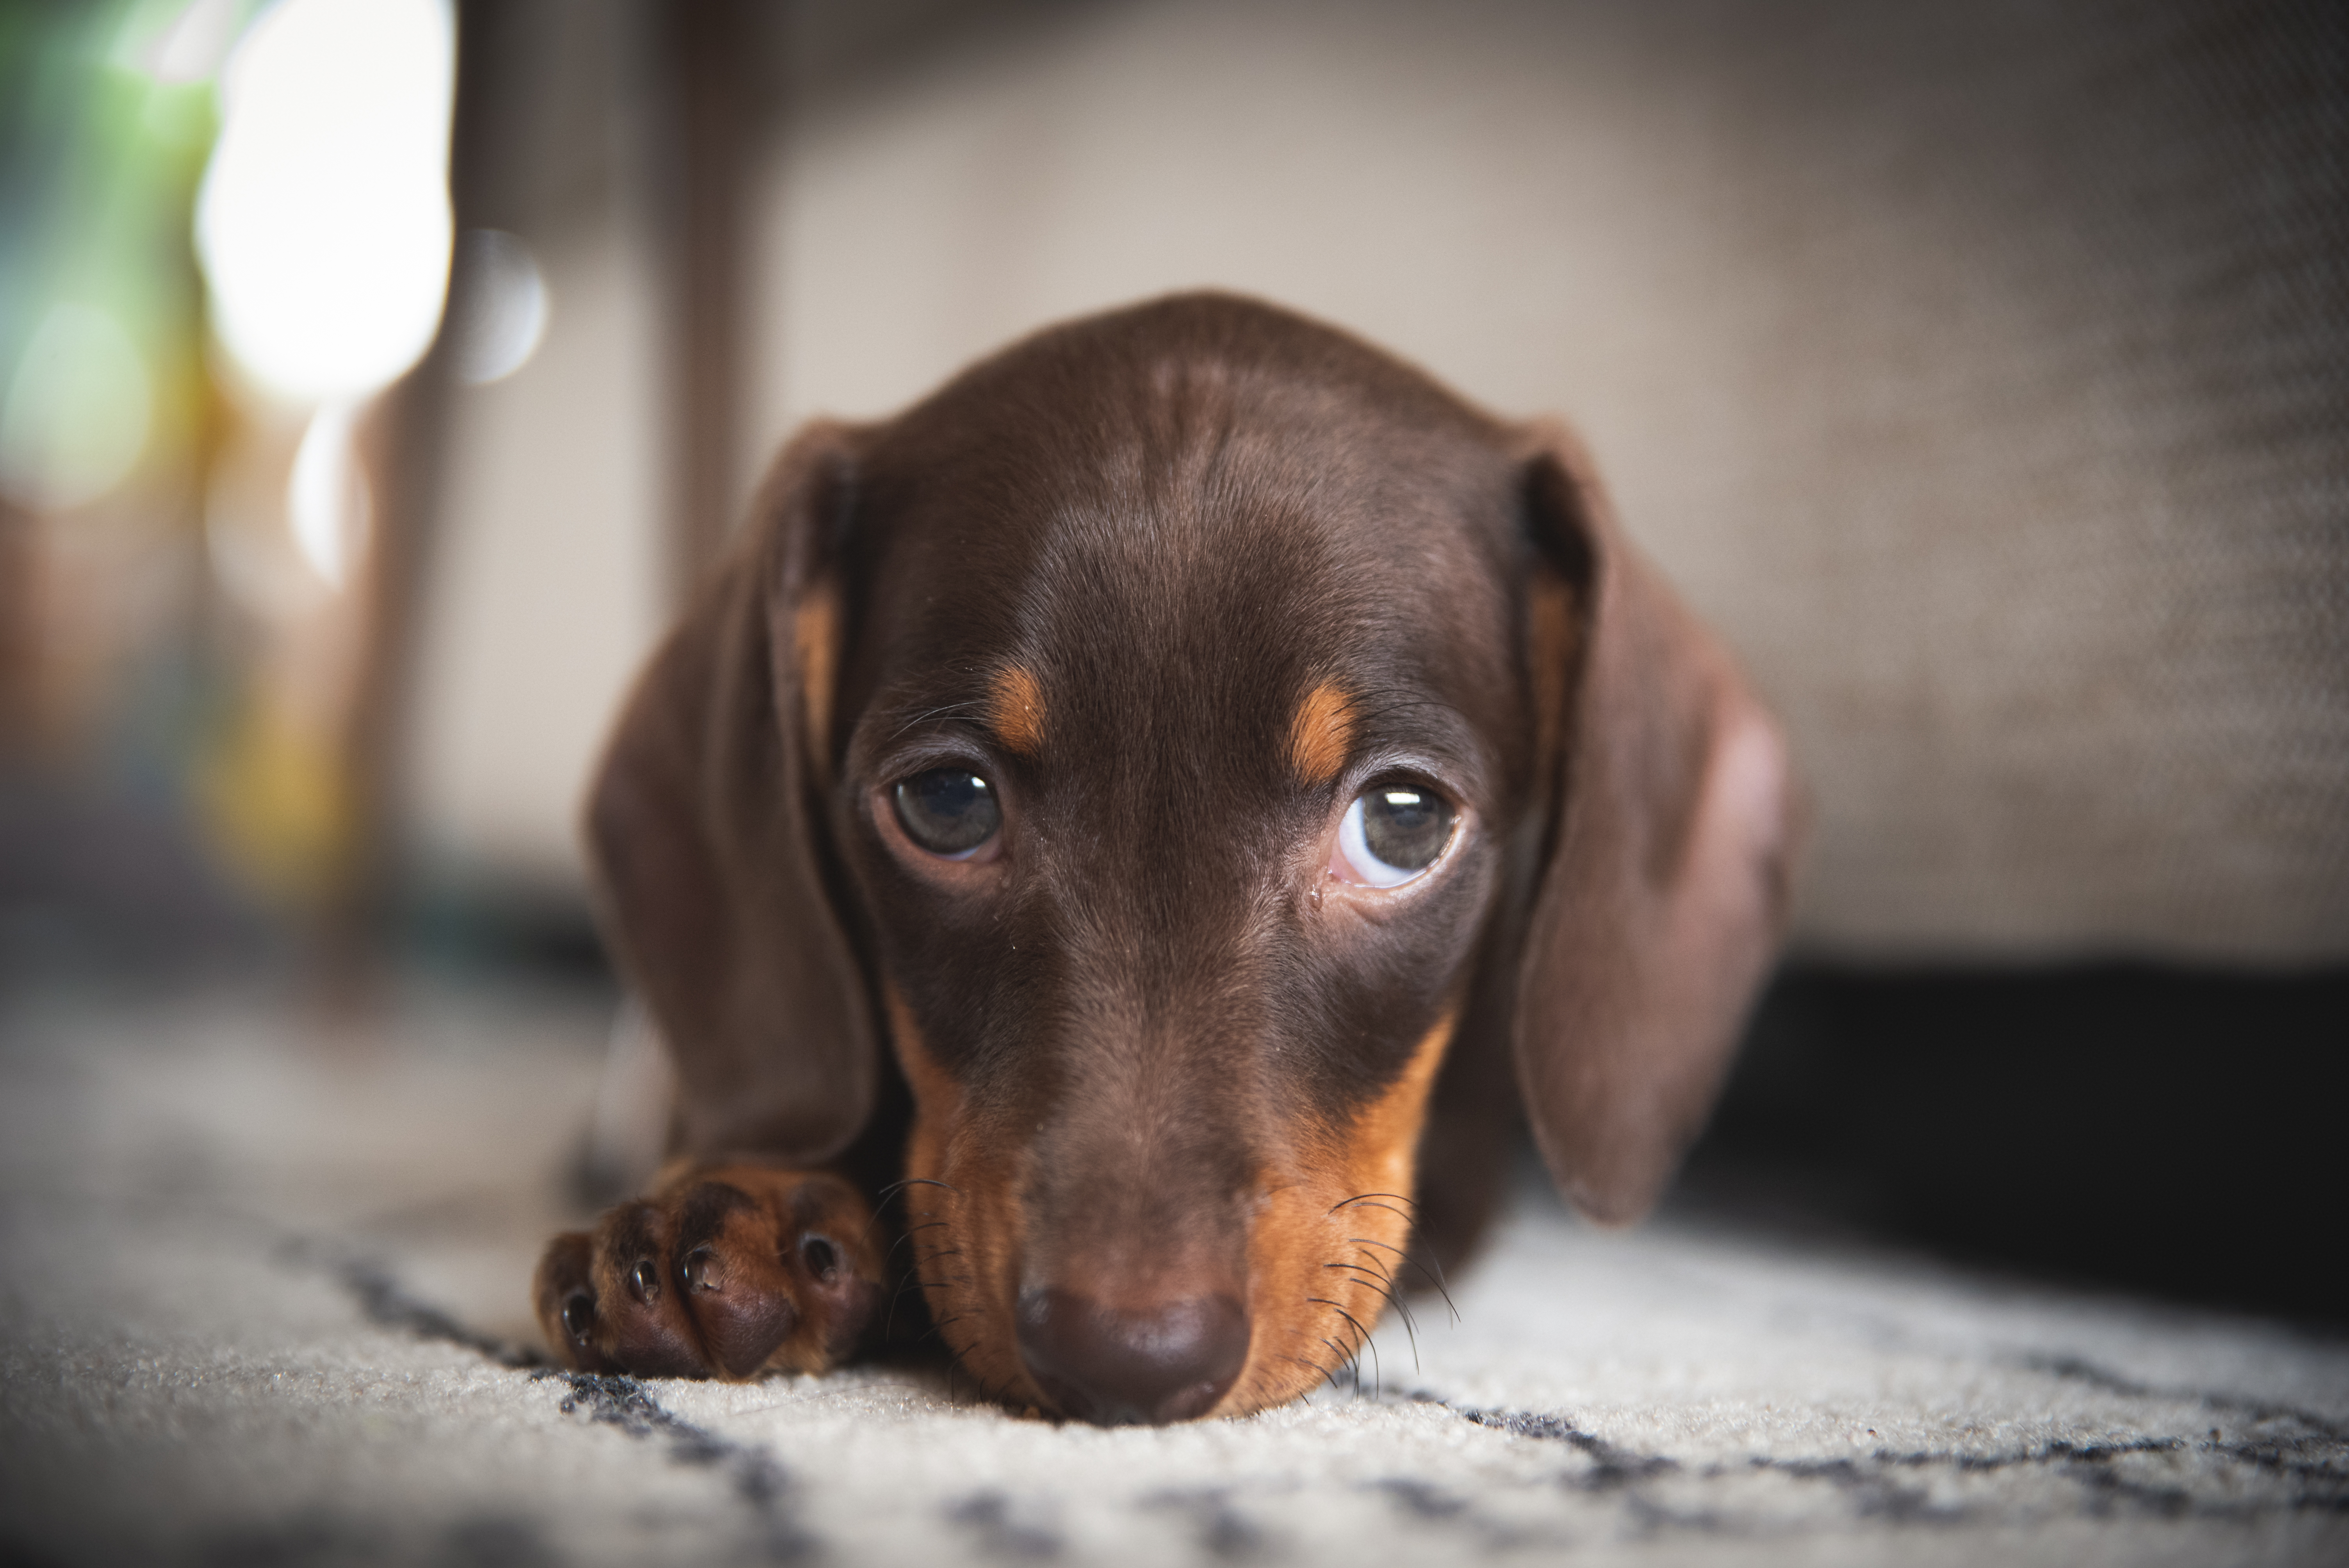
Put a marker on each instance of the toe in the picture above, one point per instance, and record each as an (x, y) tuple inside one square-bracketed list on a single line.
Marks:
[(846, 1294), (563, 1293), (742, 1296), (644, 1325), (834, 1252)]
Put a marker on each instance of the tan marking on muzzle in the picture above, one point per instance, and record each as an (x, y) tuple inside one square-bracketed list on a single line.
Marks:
[(963, 1224), (1331, 1238), (1384, 1140)]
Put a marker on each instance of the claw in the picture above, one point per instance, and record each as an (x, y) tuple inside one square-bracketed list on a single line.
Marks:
[(727, 1276), (567, 1302), (703, 1270)]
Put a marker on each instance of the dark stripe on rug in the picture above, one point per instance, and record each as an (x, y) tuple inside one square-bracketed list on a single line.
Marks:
[(2315, 1469), (754, 1474)]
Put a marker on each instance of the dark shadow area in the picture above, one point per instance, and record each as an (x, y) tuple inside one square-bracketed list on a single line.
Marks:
[(108, 886), (2170, 1131), (111, 888), (475, 926)]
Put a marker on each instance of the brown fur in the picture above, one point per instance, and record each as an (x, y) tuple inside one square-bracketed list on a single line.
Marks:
[(1178, 1110)]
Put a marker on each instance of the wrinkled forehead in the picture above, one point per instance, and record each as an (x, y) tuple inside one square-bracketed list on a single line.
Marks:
[(1175, 568)]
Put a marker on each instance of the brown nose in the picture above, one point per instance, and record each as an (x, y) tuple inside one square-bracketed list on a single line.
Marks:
[(1167, 1361)]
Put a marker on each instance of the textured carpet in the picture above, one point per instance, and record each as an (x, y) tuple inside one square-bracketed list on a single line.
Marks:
[(265, 1304)]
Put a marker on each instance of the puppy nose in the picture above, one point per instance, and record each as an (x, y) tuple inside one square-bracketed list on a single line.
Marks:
[(1164, 1361)]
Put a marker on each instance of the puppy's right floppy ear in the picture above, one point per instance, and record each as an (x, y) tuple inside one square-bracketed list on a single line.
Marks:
[(706, 828), (1673, 824)]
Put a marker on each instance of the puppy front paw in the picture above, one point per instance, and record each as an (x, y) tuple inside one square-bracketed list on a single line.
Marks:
[(724, 1272)]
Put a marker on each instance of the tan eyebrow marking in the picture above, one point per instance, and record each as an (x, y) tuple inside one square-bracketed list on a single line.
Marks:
[(1015, 710), (815, 632), (1321, 733)]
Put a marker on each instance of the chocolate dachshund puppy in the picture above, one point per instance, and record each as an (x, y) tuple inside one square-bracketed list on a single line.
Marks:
[(1136, 831)]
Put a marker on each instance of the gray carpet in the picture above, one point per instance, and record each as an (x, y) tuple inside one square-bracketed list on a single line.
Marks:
[(265, 1304)]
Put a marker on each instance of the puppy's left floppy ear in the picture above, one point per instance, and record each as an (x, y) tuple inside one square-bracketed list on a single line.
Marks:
[(707, 825), (1673, 823)]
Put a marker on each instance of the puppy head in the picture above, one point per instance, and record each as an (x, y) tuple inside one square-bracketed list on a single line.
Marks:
[(1144, 725)]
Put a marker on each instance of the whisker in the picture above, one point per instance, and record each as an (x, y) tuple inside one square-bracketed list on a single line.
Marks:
[(930, 1181), (1410, 1329), (1378, 1378), (1308, 1361), (889, 1323), (1385, 1287), (1365, 1197), (893, 1188), (1353, 1355), (1390, 1289), (928, 714), (958, 1362), (1435, 1279), (912, 1280), (1346, 1358), (955, 1364), (908, 1236)]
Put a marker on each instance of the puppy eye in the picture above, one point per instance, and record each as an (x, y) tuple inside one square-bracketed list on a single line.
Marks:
[(1391, 834), (948, 811)]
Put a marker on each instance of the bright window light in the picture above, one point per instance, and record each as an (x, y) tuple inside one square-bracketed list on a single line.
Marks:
[(76, 415), (323, 223), (326, 498)]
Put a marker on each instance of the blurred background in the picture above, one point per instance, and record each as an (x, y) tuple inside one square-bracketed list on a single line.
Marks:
[(376, 374)]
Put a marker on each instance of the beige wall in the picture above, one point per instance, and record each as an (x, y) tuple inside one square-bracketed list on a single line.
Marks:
[(547, 583), (1935, 352)]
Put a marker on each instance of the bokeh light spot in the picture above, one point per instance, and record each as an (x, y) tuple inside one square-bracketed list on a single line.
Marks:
[(326, 498), (504, 307), (77, 412), (324, 223)]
